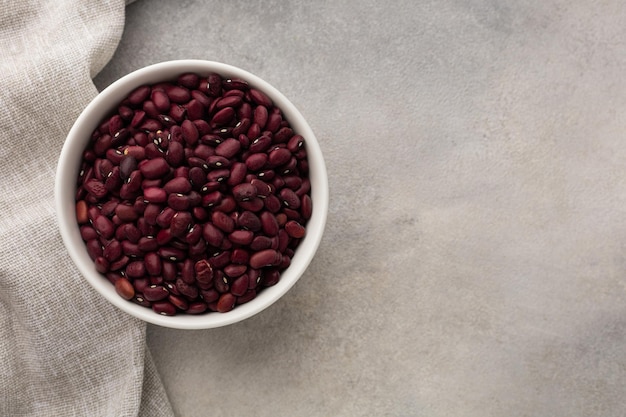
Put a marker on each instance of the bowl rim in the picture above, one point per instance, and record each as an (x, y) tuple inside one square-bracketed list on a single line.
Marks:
[(69, 162)]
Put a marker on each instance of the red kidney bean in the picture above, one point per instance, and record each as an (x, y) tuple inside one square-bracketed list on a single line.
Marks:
[(239, 256), (177, 94), (102, 265), (238, 172), (234, 270), (136, 269), (155, 195), (196, 307), (240, 285), (228, 148), (218, 175), (178, 185), (267, 257), (256, 161), (226, 302), (104, 226), (139, 95), (269, 225), (189, 291), (248, 296), (278, 157), (155, 293), (164, 308), (259, 116), (273, 122), (260, 144), (270, 277), (241, 237), (124, 288), (178, 301), (175, 154), (189, 80), (289, 198), (161, 101), (223, 221), (254, 277), (249, 221), (81, 212), (178, 202), (212, 235), (210, 295), (295, 229), (171, 253), (119, 263), (88, 233), (153, 264), (112, 251), (283, 135), (154, 168)]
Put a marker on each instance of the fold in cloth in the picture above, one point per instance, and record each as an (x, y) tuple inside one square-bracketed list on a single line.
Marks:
[(64, 350)]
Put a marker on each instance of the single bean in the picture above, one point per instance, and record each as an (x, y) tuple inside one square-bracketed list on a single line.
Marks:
[(136, 269), (101, 264), (240, 285), (239, 256), (172, 254), (189, 80), (210, 295), (273, 122), (178, 202), (212, 235), (289, 198), (196, 307), (228, 148), (267, 257), (153, 263), (178, 301), (249, 221), (256, 161), (112, 250), (124, 288), (187, 271), (155, 195), (178, 94), (189, 291), (260, 115), (119, 263), (175, 154), (223, 221), (82, 216), (241, 237), (223, 116), (161, 101), (295, 229), (269, 224), (238, 172), (278, 157), (270, 277), (154, 168), (234, 270), (226, 302), (246, 297), (260, 144), (155, 293), (104, 226), (164, 308)]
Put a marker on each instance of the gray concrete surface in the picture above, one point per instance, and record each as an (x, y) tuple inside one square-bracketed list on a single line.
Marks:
[(473, 263)]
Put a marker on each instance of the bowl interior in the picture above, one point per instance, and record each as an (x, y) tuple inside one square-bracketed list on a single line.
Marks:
[(69, 164)]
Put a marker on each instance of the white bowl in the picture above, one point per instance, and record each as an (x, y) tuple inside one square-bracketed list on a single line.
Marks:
[(69, 164)]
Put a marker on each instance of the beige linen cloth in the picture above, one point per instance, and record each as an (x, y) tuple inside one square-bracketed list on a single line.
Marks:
[(63, 350)]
